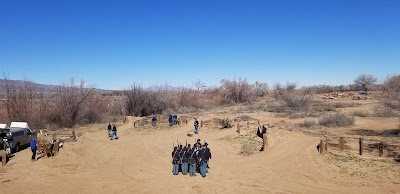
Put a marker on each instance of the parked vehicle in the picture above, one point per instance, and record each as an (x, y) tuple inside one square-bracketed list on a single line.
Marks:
[(22, 135)]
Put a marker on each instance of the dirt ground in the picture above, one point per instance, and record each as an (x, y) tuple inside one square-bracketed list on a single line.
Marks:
[(140, 162)]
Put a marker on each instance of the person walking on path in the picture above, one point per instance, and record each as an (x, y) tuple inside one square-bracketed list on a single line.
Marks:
[(109, 129), (196, 126), (114, 133), (33, 148)]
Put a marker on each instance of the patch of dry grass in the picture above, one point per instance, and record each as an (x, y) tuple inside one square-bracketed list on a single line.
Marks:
[(309, 124), (336, 120)]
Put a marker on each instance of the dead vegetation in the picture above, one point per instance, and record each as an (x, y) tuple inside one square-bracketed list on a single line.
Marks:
[(336, 120), (309, 123)]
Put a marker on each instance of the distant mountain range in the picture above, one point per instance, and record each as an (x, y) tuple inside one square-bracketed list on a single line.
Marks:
[(46, 88)]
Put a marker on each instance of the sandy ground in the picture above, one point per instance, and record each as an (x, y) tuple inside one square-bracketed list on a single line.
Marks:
[(140, 162)]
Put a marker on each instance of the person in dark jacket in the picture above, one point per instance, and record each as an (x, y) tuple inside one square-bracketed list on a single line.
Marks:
[(192, 161), (204, 155), (185, 160), (33, 146), (154, 121), (196, 126), (109, 129), (207, 156), (10, 140), (170, 120), (261, 135), (114, 132), (175, 161)]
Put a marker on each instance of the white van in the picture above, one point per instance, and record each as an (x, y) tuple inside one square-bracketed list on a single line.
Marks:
[(21, 134)]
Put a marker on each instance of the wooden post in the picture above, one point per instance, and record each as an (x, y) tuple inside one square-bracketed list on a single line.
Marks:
[(238, 128), (361, 146), (380, 149), (326, 146), (258, 121), (265, 140), (4, 158), (201, 123), (341, 143), (322, 147), (73, 135)]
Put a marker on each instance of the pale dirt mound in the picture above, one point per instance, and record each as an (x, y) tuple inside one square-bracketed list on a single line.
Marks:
[(138, 163)]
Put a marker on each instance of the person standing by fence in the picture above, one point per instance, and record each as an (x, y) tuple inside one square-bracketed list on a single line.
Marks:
[(261, 135)]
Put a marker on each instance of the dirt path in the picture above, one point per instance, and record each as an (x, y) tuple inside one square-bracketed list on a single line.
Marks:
[(141, 163)]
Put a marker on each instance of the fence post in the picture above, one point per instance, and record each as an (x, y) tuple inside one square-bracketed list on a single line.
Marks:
[(201, 123), (361, 146), (322, 147), (73, 135), (380, 149), (326, 146), (265, 140), (238, 128), (4, 159), (341, 143)]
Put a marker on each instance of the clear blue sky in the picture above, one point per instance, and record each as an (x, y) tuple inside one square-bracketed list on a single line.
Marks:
[(113, 44)]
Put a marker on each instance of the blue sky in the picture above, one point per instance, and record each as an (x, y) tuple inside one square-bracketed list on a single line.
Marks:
[(114, 44)]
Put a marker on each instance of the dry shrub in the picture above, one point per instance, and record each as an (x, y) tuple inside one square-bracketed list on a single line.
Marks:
[(141, 102), (237, 91), (246, 149), (336, 120), (360, 113), (308, 123), (385, 113), (391, 93), (291, 97)]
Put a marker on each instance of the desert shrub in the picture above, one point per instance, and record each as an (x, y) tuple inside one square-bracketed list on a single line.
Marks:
[(391, 93), (360, 113), (141, 102), (237, 91), (385, 113), (336, 120), (308, 123), (260, 89), (246, 149), (292, 97)]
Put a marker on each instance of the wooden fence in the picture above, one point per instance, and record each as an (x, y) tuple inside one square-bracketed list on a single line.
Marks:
[(363, 146), (161, 120)]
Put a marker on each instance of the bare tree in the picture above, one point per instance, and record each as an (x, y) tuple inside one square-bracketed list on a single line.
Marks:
[(70, 100), (183, 97), (23, 103), (391, 93), (199, 85), (260, 89), (365, 81)]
